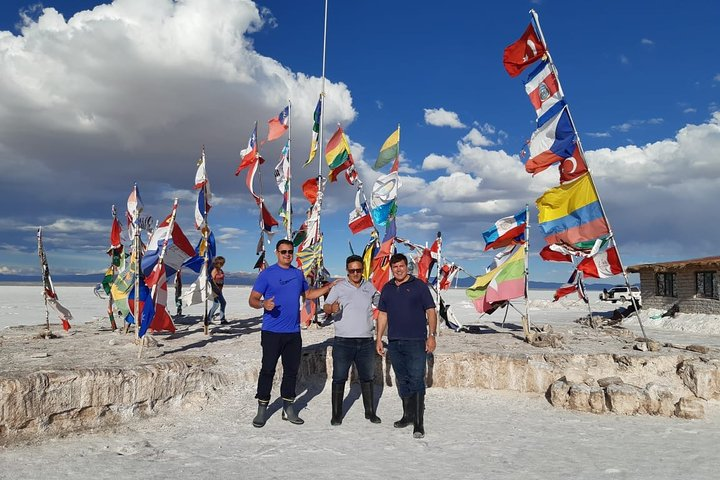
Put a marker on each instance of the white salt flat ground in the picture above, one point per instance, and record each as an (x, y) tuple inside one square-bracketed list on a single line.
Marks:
[(470, 433)]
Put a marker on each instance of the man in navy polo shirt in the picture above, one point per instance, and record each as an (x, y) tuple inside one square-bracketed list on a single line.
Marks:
[(407, 310), (278, 290), (350, 303)]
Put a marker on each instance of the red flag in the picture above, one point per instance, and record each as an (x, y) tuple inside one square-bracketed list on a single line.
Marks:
[(115, 230), (550, 255), (310, 190), (523, 52), (381, 264), (602, 265), (277, 126), (425, 264), (572, 167), (249, 154), (267, 219)]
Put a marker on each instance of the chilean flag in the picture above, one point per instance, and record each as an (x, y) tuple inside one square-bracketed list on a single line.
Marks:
[(602, 265), (179, 248), (249, 154), (278, 125), (506, 231), (552, 142), (544, 91)]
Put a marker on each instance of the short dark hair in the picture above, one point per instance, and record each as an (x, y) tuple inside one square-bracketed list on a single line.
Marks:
[(283, 241), (353, 258), (398, 257)]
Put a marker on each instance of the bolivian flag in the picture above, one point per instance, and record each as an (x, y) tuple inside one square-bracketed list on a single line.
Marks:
[(337, 154)]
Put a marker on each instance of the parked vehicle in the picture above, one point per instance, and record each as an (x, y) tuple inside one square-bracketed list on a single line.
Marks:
[(620, 293)]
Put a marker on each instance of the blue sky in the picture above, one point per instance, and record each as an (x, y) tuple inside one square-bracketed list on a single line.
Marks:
[(94, 97)]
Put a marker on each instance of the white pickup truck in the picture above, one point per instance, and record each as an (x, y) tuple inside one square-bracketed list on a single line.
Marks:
[(620, 293)]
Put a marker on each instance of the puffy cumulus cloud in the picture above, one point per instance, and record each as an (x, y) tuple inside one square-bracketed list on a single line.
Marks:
[(436, 162), (128, 89), (656, 193), (474, 137), (439, 117)]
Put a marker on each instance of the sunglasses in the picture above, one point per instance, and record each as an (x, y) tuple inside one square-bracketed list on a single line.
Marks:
[(285, 252), (355, 270)]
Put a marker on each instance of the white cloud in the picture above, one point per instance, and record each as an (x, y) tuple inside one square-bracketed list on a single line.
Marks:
[(477, 139), (598, 134), (439, 117), (436, 162), (647, 41), (624, 60), (690, 110), (717, 77)]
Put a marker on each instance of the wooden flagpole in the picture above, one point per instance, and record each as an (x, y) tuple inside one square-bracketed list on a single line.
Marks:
[(536, 20)]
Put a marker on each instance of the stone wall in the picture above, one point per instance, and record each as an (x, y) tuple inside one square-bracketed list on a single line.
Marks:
[(57, 402), (685, 293)]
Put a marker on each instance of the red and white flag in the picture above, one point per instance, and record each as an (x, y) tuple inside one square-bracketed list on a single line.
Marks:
[(359, 218), (249, 155), (448, 272), (573, 166), (277, 126), (157, 282), (603, 265), (526, 50), (544, 90)]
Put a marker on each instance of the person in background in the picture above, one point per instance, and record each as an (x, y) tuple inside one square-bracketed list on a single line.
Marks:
[(407, 310), (217, 280), (278, 290), (350, 304)]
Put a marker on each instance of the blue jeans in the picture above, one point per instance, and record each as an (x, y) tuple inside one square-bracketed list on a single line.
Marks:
[(408, 360), (218, 302), (361, 351)]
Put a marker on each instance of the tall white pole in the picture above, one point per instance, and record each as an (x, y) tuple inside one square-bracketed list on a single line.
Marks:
[(288, 213), (526, 318)]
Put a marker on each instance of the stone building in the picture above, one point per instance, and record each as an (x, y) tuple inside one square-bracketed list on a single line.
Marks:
[(691, 284)]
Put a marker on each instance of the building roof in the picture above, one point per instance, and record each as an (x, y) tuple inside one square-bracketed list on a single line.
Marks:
[(695, 262)]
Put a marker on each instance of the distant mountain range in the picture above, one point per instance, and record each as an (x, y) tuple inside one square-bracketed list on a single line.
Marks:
[(238, 278)]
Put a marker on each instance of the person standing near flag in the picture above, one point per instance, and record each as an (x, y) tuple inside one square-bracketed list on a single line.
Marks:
[(407, 310), (217, 281), (350, 303), (278, 290)]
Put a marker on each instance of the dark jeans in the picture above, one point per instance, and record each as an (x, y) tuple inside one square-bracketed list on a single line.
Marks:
[(408, 360), (361, 351), (276, 345)]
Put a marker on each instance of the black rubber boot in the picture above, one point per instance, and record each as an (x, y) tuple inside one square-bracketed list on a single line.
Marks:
[(418, 427), (408, 412), (336, 396), (260, 419), (288, 413), (368, 397)]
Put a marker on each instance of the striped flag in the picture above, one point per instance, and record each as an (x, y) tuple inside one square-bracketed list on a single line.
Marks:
[(389, 150), (315, 131), (502, 283)]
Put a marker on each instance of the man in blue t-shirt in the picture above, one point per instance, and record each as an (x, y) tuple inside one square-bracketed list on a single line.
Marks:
[(407, 310), (278, 290)]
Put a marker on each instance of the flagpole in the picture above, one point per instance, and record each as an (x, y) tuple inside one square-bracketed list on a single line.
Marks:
[(288, 191), (43, 263), (439, 263), (113, 269), (137, 257), (205, 232), (526, 317), (536, 20)]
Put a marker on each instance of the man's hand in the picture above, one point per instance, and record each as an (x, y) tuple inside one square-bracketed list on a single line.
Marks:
[(379, 347), (430, 344), (335, 307), (268, 304)]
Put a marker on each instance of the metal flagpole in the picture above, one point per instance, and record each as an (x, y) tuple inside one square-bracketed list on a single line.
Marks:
[(44, 274), (526, 317), (536, 20), (288, 213)]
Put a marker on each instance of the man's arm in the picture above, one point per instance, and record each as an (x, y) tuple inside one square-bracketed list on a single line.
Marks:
[(381, 326), (313, 293), (256, 301), (431, 342)]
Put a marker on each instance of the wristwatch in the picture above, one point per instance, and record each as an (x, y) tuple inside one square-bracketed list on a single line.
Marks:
[(432, 334)]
